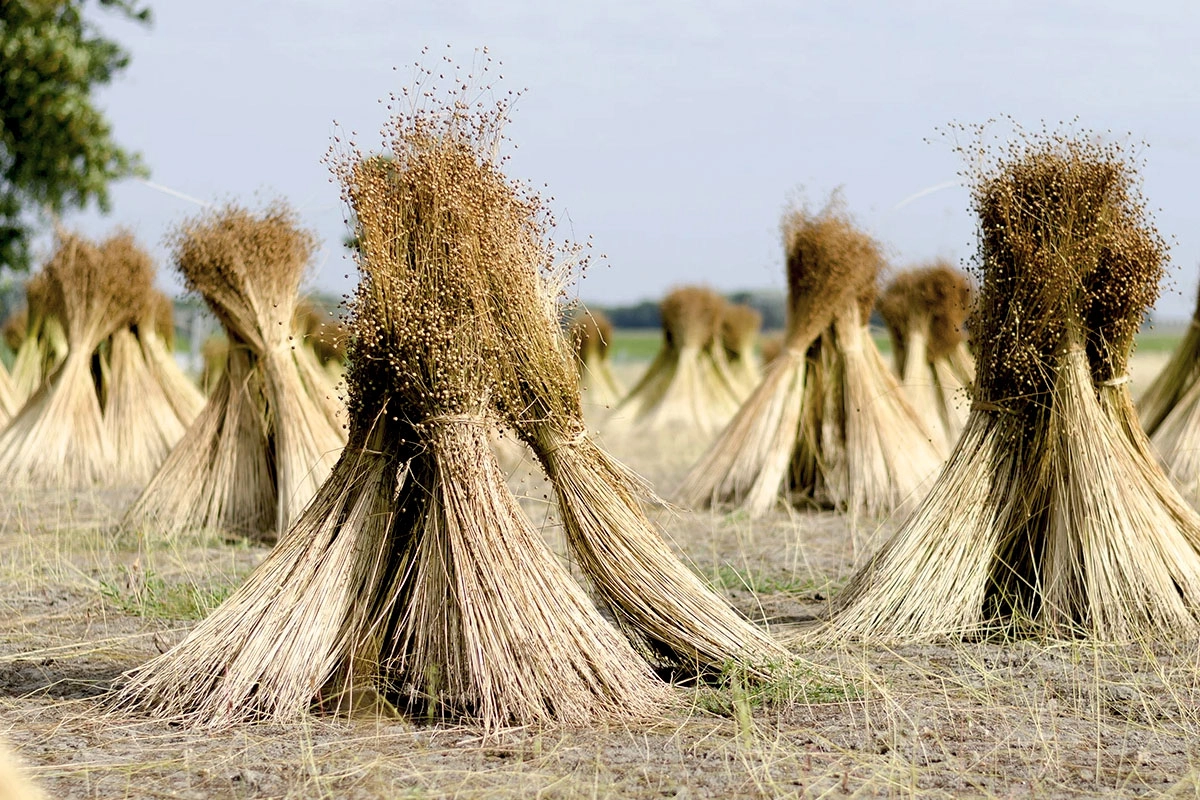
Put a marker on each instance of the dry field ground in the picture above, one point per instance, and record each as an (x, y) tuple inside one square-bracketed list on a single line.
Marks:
[(80, 603)]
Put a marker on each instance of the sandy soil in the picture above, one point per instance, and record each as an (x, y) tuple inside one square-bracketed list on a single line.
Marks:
[(81, 602)]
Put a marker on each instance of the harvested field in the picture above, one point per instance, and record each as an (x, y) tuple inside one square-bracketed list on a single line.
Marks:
[(83, 602)]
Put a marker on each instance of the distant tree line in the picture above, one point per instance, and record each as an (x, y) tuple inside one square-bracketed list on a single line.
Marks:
[(771, 303)]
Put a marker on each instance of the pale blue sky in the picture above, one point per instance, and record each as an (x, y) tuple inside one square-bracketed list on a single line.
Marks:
[(671, 132)]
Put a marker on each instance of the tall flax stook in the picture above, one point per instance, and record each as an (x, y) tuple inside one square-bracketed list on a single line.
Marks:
[(687, 388), (924, 309), (413, 577), (1050, 516), (266, 438), (59, 438), (863, 448), (829, 262)]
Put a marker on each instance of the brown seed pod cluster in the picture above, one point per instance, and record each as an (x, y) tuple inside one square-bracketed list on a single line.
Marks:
[(828, 260), (740, 326), (159, 316), (936, 296), (924, 309), (1068, 259), (16, 328), (691, 317)]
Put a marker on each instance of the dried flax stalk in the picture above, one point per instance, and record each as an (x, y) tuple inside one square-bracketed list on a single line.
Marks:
[(1178, 376), (9, 405), (1170, 412), (272, 649), (141, 422), (226, 453), (156, 335), (413, 577)]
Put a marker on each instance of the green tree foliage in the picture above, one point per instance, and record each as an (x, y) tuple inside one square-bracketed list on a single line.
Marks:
[(56, 148)]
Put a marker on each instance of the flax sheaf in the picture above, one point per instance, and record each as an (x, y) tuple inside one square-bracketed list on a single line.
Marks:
[(790, 435), (414, 578), (1051, 516), (59, 437), (265, 440), (687, 388), (925, 309)]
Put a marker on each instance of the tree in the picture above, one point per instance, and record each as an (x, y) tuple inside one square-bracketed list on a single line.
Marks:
[(56, 148)]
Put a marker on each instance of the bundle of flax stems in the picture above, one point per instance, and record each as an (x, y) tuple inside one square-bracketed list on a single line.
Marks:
[(925, 310), (1178, 376), (660, 603), (1051, 516), (59, 437), (39, 339), (863, 448), (8, 396), (156, 336), (268, 435), (140, 420), (1170, 412), (414, 578), (592, 334), (740, 326), (754, 461), (214, 355), (686, 387)]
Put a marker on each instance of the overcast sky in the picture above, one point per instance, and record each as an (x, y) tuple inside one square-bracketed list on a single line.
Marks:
[(672, 132)]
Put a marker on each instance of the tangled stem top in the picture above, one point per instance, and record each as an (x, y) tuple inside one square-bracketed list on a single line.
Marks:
[(1068, 259)]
